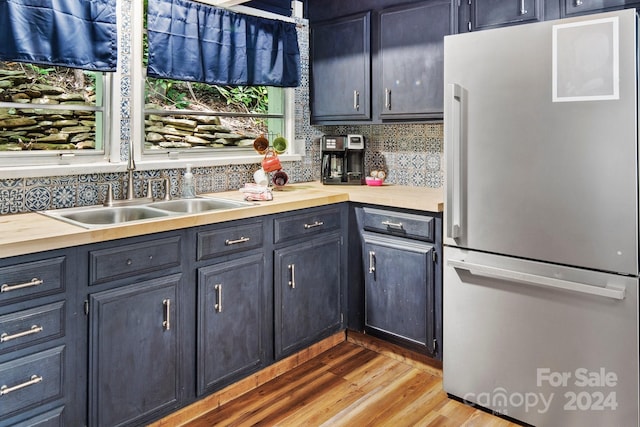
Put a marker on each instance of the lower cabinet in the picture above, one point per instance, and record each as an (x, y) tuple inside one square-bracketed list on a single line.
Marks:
[(134, 352), (307, 292), (230, 318), (399, 290), (402, 277)]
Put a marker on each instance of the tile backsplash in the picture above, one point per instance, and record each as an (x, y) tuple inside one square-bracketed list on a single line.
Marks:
[(411, 154)]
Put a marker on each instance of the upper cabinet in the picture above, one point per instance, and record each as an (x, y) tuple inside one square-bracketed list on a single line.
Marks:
[(577, 7), (477, 15), (341, 70), (412, 60), (379, 65)]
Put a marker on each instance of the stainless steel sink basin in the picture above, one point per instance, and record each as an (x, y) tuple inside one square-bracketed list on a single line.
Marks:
[(197, 205), (99, 215)]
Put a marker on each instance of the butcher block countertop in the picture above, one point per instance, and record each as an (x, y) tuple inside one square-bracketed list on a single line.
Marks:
[(32, 232)]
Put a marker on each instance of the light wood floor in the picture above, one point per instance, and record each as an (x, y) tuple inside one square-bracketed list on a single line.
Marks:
[(350, 385)]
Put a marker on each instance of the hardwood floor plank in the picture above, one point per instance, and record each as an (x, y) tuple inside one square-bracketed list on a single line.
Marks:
[(348, 385)]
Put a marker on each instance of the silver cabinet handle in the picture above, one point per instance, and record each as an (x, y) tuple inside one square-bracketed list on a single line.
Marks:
[(609, 291), (578, 2), (34, 330), (523, 11), (292, 275), (166, 324), (387, 99), (315, 224), (454, 134), (35, 379), (218, 305), (34, 282), (372, 262), (233, 242), (356, 100), (392, 224)]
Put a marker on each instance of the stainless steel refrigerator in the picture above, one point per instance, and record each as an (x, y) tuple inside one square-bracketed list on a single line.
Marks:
[(541, 221)]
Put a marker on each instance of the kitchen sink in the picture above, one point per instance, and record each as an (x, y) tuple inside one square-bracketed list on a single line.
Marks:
[(197, 205), (137, 211), (93, 216)]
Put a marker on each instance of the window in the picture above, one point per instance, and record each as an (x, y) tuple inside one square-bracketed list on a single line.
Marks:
[(51, 114), (186, 118)]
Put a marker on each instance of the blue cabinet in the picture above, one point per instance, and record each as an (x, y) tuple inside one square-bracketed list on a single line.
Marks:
[(412, 60), (134, 351), (37, 336), (402, 277), (232, 303), (308, 277), (340, 69)]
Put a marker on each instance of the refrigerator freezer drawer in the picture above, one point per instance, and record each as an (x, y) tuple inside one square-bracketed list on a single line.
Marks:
[(545, 344)]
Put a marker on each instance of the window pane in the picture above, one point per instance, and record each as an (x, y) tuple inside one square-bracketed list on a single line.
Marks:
[(50, 109), (202, 117)]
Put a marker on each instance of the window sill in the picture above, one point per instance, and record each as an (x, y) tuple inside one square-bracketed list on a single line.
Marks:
[(106, 167)]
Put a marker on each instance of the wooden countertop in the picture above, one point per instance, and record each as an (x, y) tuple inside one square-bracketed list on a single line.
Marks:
[(32, 232)]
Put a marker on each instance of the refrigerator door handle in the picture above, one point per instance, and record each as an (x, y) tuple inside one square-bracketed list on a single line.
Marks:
[(453, 136), (608, 291)]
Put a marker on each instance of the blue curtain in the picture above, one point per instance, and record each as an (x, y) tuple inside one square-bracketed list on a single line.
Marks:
[(70, 33), (195, 42)]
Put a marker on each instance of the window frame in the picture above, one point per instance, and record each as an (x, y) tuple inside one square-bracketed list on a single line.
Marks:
[(179, 159)]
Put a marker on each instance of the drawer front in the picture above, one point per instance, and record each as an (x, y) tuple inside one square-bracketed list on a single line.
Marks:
[(30, 381), (421, 227), (130, 260), (229, 240), (53, 418), (308, 223), (32, 279), (31, 326)]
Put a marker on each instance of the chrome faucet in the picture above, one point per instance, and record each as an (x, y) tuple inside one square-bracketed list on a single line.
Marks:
[(131, 166)]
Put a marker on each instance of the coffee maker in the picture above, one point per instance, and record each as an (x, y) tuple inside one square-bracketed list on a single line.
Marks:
[(343, 160)]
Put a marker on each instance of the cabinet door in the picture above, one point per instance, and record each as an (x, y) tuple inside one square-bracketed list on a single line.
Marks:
[(412, 59), (399, 290), (340, 69), (230, 313), (577, 7), (484, 14), (133, 354), (307, 293)]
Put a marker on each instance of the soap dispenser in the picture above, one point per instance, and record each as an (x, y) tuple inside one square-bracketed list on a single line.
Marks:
[(188, 185)]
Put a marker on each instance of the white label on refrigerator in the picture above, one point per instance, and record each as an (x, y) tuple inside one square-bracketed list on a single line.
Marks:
[(586, 61)]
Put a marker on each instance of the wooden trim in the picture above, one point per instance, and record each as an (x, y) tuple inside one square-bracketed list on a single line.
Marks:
[(417, 360), (245, 385)]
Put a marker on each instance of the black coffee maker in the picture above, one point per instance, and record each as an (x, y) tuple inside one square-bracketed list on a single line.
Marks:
[(343, 160)]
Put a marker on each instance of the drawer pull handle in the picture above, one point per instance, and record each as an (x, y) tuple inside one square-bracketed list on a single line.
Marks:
[(372, 262), (356, 100), (35, 379), (315, 224), (166, 324), (218, 305), (34, 282), (233, 242), (292, 282), (34, 330), (390, 224)]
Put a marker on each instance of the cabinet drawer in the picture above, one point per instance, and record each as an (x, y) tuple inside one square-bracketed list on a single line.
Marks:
[(308, 223), (31, 326), (229, 240), (408, 225), (31, 380), (32, 279), (129, 260), (51, 418)]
